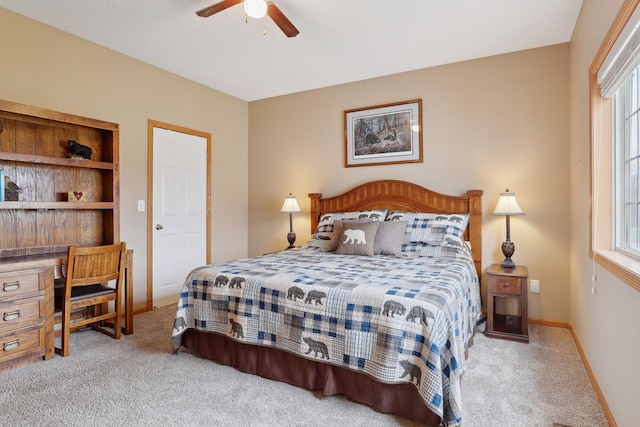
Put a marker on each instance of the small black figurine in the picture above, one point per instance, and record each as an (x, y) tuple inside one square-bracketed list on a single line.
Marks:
[(79, 151), (11, 190)]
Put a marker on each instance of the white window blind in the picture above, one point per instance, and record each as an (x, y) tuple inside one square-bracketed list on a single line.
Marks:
[(623, 57)]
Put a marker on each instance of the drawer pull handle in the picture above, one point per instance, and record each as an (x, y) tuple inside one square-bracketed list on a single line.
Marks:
[(10, 346), (506, 285), (11, 286), (11, 316)]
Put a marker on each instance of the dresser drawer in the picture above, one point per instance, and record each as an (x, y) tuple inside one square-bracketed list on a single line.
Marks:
[(16, 314), (22, 342), (19, 283), (508, 286)]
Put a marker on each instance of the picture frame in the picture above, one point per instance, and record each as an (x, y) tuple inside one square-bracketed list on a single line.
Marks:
[(383, 134)]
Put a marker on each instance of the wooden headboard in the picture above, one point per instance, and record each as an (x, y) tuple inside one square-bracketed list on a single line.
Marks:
[(402, 195)]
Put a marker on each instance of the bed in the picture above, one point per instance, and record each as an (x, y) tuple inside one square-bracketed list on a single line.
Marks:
[(387, 325)]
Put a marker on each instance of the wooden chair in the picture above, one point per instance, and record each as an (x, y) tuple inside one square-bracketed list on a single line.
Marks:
[(85, 286)]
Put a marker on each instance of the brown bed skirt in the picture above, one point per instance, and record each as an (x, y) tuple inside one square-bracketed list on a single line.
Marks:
[(279, 365)]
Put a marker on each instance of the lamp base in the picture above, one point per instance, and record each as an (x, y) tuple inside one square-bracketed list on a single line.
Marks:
[(508, 263), (291, 238), (508, 248)]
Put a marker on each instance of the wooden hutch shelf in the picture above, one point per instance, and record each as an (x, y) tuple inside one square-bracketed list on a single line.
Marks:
[(57, 205), (44, 160)]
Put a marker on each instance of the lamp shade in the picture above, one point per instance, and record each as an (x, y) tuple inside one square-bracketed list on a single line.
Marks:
[(507, 205), (255, 8), (290, 205)]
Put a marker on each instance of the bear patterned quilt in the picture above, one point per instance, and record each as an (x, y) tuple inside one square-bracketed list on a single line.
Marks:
[(396, 319)]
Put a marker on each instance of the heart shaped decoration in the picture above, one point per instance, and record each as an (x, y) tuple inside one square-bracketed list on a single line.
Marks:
[(78, 195)]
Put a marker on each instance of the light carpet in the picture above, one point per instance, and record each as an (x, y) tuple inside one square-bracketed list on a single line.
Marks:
[(137, 381)]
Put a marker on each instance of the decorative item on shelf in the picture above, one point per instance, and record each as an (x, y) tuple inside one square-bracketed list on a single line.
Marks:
[(290, 206), (78, 196), (11, 189), (508, 205), (1, 185), (79, 151)]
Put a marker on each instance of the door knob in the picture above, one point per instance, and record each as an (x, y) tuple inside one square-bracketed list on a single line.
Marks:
[(159, 227)]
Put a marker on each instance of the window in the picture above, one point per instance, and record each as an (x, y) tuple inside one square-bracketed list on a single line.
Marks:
[(626, 122), (615, 148)]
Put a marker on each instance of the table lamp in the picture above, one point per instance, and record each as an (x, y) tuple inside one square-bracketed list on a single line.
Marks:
[(508, 205), (290, 206)]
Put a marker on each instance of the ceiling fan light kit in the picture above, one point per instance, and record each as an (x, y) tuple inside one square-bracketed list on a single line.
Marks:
[(255, 9)]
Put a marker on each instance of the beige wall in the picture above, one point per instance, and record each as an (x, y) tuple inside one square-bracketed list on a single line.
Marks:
[(489, 124), (44, 67), (606, 322)]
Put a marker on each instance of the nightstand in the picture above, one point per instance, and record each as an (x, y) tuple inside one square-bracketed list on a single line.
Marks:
[(508, 284)]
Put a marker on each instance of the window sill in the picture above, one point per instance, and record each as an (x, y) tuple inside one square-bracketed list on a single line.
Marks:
[(623, 267)]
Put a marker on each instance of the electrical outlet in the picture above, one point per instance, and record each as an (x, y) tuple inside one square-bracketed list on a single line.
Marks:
[(141, 205), (534, 286)]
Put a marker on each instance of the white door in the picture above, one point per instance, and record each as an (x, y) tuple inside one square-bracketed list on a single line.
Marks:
[(179, 210)]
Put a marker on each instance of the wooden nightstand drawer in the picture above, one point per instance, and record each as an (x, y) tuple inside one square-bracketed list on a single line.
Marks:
[(505, 285), (22, 342), (17, 284)]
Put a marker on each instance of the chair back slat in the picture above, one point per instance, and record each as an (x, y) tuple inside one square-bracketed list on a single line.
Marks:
[(95, 264)]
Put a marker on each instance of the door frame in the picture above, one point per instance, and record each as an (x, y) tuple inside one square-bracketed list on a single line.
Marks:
[(155, 124)]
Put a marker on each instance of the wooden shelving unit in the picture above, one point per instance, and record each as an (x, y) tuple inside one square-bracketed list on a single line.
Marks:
[(36, 230), (35, 154)]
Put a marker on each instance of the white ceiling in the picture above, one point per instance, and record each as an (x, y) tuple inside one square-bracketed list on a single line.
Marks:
[(340, 41)]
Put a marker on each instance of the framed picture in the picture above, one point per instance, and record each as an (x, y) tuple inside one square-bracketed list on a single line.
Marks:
[(383, 134)]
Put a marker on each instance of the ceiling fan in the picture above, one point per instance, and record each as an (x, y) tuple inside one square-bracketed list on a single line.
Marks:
[(255, 9)]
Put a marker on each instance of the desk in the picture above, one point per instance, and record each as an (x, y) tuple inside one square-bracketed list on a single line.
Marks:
[(50, 266)]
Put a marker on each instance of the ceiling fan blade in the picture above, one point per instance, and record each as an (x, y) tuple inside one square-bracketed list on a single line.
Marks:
[(280, 20), (218, 7)]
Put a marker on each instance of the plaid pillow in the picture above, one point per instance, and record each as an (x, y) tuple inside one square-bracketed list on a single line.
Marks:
[(372, 214), (427, 250), (321, 239), (431, 228), (411, 250)]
